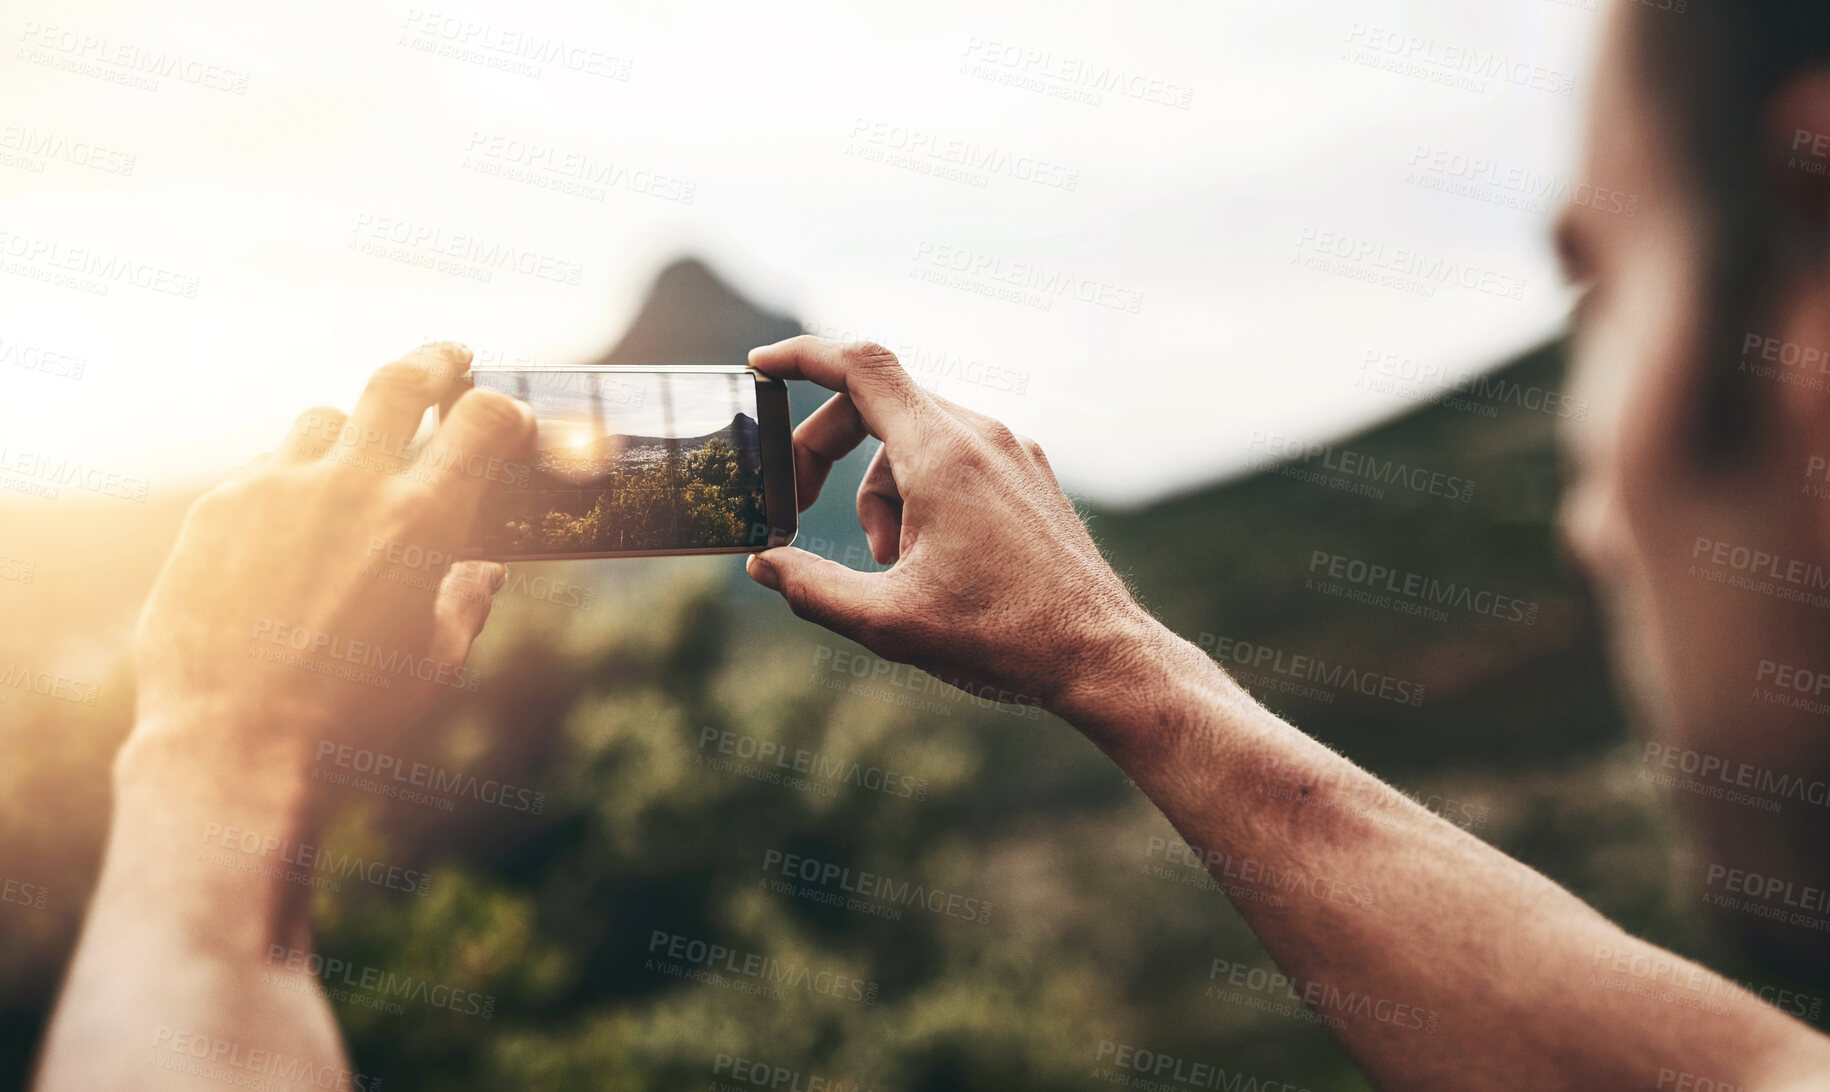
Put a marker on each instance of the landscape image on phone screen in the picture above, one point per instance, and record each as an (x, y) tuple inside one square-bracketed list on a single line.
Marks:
[(631, 460)]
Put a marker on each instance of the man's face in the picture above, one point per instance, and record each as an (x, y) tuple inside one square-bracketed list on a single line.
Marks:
[(1698, 568)]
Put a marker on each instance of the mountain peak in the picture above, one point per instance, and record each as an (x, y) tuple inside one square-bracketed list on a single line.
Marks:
[(691, 316)]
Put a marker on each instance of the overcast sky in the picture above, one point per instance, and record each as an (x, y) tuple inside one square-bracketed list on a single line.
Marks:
[(1153, 234), (632, 403)]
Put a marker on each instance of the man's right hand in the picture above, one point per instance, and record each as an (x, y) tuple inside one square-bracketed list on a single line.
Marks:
[(994, 585)]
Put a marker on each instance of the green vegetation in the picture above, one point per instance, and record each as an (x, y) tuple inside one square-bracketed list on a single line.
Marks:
[(702, 500), (683, 727)]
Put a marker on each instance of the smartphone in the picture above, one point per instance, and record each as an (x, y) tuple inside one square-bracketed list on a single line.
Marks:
[(641, 462)]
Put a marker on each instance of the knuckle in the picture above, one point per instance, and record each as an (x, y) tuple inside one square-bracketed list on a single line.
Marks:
[(1001, 436), (404, 378), (1034, 450), (317, 428), (440, 362), (497, 416), (412, 498), (869, 356), (237, 500), (969, 454), (799, 601), (211, 505), (319, 419)]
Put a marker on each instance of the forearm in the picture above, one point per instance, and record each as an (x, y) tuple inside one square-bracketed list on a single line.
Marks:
[(174, 975), (1441, 962)]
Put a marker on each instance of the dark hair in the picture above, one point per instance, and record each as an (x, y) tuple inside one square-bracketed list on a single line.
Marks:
[(1715, 66)]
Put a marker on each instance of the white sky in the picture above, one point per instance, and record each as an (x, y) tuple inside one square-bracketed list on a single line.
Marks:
[(632, 403), (305, 210)]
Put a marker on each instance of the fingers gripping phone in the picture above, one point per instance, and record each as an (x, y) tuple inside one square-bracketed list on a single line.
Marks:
[(641, 462)]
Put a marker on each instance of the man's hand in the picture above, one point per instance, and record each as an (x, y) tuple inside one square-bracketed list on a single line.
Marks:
[(995, 584), (1370, 903), (313, 593), (311, 598)]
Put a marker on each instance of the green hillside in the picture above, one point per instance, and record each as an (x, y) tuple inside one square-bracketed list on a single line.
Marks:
[(686, 738)]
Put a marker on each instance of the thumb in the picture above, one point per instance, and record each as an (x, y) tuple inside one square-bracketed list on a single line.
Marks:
[(821, 591), (464, 598)]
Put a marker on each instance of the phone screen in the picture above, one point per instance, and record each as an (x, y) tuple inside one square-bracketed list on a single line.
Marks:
[(627, 460)]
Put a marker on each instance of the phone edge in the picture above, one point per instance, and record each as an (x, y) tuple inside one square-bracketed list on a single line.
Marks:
[(774, 425)]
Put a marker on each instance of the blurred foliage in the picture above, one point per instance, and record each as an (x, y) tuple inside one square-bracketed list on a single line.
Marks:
[(650, 724), (702, 499), (618, 714)]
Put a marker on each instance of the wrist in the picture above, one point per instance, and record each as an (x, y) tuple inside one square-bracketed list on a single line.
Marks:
[(1167, 715), (1129, 673), (198, 811), (207, 763)]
